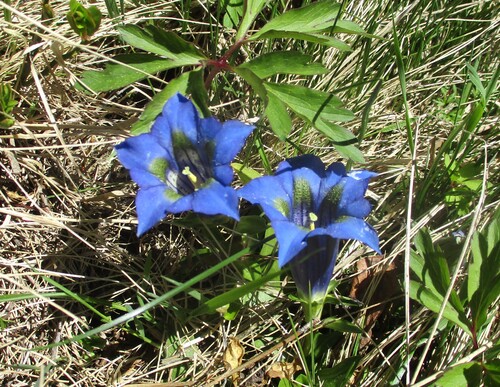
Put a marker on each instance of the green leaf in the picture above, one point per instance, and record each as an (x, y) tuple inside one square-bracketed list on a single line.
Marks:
[(434, 273), (476, 81), (350, 27), (319, 109), (324, 40), (314, 17), (253, 80), (29, 296), (311, 104), (190, 82), (278, 117), (245, 173), (7, 104), (251, 224), (112, 8), (84, 21), (483, 284), (341, 138), (234, 10), (341, 325), (252, 9), (340, 373), (269, 247), (468, 374), (492, 373), (478, 249), (161, 42), (493, 232), (433, 302), (115, 76), (284, 62)]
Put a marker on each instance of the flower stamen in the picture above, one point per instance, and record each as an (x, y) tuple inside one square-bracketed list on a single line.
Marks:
[(191, 176), (313, 218)]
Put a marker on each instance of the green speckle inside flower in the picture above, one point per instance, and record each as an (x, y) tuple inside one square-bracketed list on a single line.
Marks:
[(180, 140), (171, 195), (158, 168), (301, 193), (282, 206), (333, 197)]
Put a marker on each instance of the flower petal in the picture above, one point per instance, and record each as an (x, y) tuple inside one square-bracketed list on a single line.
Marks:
[(145, 179), (303, 161), (163, 134), (215, 199), (182, 117), (267, 192), (152, 204), (352, 200), (223, 174), (352, 228), (209, 127), (229, 141), (291, 240), (139, 152)]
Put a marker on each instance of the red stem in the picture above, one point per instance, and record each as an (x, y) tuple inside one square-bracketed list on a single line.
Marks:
[(221, 64)]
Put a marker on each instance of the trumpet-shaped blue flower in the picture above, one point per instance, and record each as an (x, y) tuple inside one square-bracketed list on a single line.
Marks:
[(183, 164), (311, 208)]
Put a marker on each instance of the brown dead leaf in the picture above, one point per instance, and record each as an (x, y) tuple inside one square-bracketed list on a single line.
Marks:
[(233, 355), (385, 278), (283, 370)]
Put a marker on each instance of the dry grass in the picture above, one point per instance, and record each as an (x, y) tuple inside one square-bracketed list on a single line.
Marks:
[(69, 257)]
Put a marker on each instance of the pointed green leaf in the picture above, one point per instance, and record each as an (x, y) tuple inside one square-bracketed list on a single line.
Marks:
[(468, 374), (474, 272), (483, 282), (324, 40), (284, 62), (492, 373), (493, 232), (245, 173), (319, 109), (115, 76), (314, 17), (190, 82), (433, 302), (350, 27), (251, 224), (234, 10), (161, 42), (278, 117), (253, 80), (340, 373), (476, 81), (309, 103), (341, 325), (435, 271), (252, 9)]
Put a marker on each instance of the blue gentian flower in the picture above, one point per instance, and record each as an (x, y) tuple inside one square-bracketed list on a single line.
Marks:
[(183, 164), (311, 208)]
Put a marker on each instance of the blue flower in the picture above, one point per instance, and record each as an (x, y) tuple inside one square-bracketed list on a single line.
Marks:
[(183, 164), (311, 208)]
